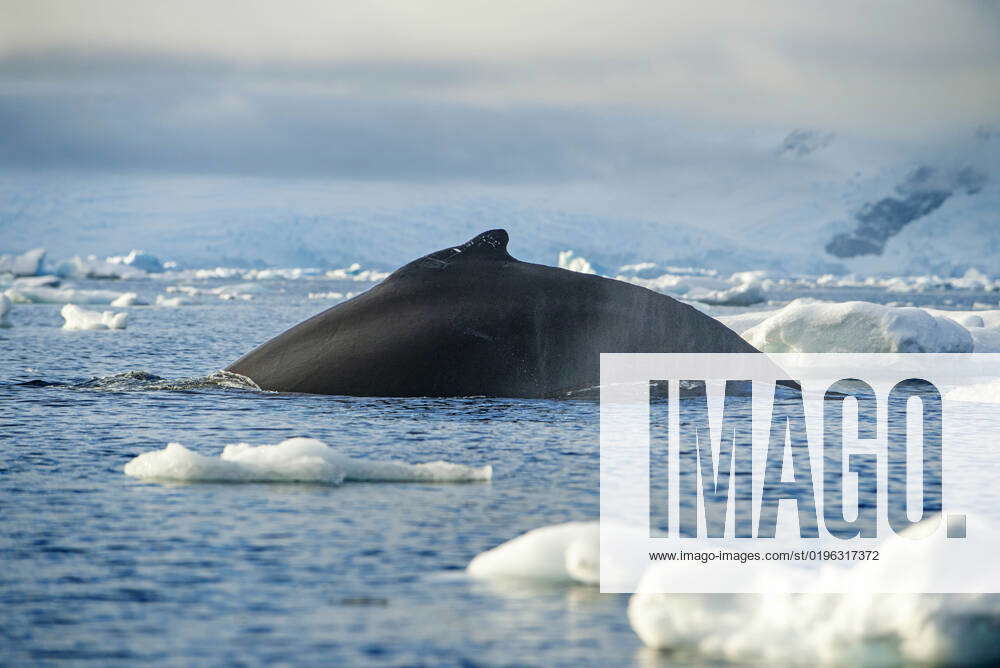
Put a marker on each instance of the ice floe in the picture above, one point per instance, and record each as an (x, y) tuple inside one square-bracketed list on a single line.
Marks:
[(25, 264), (854, 327), (245, 291), (126, 299), (42, 281), (567, 552), (859, 628), (331, 295), (94, 267), (743, 288), (292, 460), (174, 302), (64, 295), (567, 260), (356, 273), (140, 260), (80, 318)]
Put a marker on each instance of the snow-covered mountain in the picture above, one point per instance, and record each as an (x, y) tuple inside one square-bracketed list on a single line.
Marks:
[(799, 202)]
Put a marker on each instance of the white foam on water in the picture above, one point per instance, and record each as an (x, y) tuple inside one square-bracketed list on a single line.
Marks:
[(292, 460), (80, 318)]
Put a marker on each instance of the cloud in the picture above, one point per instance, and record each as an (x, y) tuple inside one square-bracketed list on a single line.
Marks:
[(475, 89)]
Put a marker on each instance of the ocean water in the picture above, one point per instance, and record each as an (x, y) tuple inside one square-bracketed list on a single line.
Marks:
[(103, 568)]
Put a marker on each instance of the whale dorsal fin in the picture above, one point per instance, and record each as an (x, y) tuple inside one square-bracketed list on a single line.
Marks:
[(490, 245)]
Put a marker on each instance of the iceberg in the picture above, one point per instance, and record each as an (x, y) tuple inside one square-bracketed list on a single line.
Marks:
[(25, 264), (856, 327), (92, 267), (147, 262)]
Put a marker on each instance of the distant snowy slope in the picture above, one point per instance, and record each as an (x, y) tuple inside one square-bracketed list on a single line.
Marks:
[(804, 202), (229, 221)]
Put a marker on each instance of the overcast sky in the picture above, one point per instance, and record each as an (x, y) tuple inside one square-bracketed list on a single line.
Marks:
[(477, 90)]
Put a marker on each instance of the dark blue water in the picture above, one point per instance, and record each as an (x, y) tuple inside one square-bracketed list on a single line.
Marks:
[(99, 566)]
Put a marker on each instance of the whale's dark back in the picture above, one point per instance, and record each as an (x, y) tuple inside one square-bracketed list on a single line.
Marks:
[(472, 320)]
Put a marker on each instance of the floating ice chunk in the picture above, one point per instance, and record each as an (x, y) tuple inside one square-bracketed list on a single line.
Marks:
[(745, 294), (67, 295), (203, 274), (46, 281), (293, 460), (80, 318), (561, 553), (331, 295), (748, 288), (292, 274), (973, 279), (186, 289), (140, 260), (237, 291), (687, 286), (741, 322), (93, 267), (861, 628), (637, 269), (983, 326), (174, 302), (987, 339), (857, 327), (567, 260), (25, 264), (126, 299), (742, 288), (356, 273), (4, 310), (989, 318)]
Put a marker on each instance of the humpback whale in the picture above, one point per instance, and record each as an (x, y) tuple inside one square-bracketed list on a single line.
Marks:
[(473, 321)]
